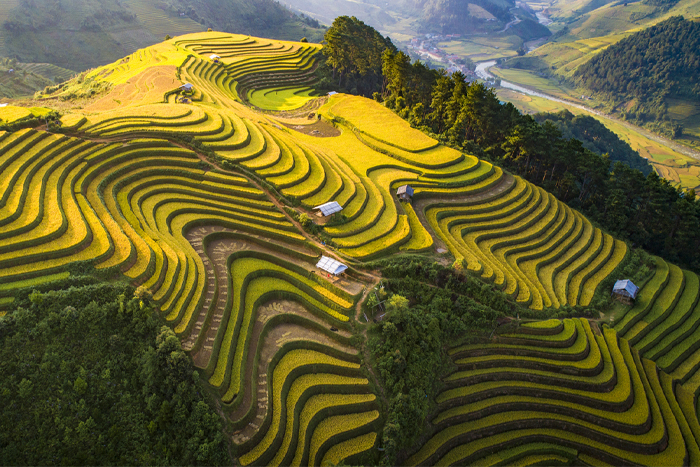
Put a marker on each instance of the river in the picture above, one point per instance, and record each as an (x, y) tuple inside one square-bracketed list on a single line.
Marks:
[(482, 71)]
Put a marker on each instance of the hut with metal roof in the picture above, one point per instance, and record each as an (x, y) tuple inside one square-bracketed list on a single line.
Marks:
[(328, 209), (214, 58), (625, 291), (331, 266), (405, 193), (187, 87)]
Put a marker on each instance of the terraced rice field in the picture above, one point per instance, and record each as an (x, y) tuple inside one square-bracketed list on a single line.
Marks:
[(123, 189), (565, 394), (536, 248), (664, 322), (47, 70)]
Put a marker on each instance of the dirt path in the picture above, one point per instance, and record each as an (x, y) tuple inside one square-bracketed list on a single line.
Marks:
[(327, 251), (320, 129)]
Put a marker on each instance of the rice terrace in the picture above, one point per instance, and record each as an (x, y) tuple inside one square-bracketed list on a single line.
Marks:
[(195, 174)]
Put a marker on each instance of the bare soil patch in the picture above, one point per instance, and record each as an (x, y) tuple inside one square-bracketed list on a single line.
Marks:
[(319, 129), (147, 87)]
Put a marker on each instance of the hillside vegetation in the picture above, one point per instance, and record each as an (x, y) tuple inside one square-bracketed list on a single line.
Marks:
[(468, 327), (647, 69), (92, 358), (595, 137), (82, 34)]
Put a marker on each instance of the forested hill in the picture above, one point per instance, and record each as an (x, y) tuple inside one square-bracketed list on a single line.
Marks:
[(81, 34), (595, 137), (645, 69)]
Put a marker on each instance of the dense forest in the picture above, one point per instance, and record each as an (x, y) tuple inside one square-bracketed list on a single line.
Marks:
[(646, 68), (646, 210), (91, 376), (595, 137)]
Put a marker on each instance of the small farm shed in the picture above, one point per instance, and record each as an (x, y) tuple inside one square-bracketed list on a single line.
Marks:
[(332, 93), (187, 87), (215, 58), (405, 193), (625, 290), (328, 209), (331, 266)]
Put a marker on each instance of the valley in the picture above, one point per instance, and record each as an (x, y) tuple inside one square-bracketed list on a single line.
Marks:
[(238, 236), (670, 159), (207, 203)]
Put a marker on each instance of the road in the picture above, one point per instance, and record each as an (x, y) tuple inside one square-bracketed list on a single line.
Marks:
[(482, 71)]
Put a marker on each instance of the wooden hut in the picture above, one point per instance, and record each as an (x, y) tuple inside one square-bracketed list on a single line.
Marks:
[(328, 209), (625, 291), (405, 193)]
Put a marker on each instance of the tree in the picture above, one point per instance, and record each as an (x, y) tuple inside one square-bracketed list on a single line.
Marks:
[(678, 131), (353, 51), (93, 377)]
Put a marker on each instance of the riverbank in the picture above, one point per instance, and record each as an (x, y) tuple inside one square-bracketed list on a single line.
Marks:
[(675, 162)]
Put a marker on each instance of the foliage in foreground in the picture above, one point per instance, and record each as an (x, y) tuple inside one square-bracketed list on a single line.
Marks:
[(92, 377), (428, 306)]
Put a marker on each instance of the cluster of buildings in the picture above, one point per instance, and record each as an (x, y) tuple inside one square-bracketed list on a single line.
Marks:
[(426, 48)]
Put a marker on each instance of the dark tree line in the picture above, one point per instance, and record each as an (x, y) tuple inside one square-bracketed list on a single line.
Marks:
[(649, 66), (353, 57), (596, 137), (91, 376)]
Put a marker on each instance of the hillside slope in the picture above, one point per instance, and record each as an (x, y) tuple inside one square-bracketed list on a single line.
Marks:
[(83, 34), (649, 71), (405, 18)]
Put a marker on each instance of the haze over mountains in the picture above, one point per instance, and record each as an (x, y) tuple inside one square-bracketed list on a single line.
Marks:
[(81, 34)]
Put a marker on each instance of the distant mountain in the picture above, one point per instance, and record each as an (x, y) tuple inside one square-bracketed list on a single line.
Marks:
[(81, 34), (403, 17), (456, 16), (595, 137)]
